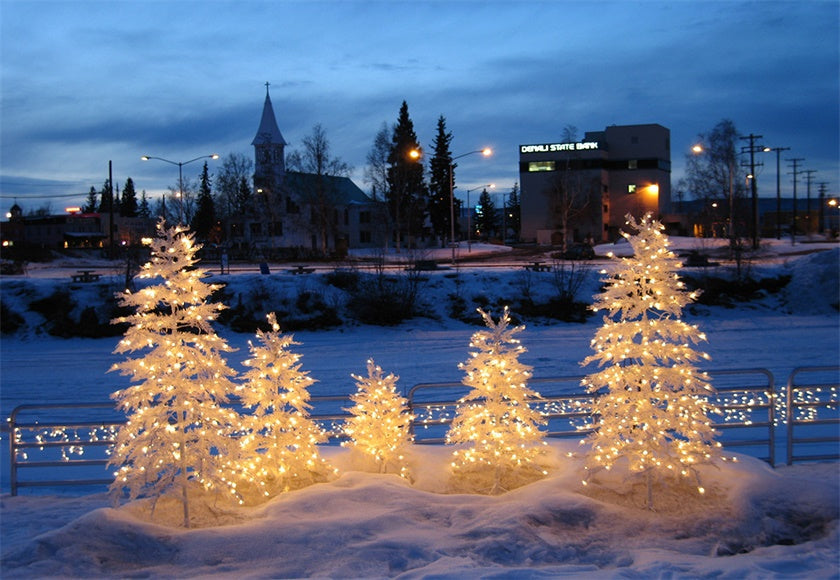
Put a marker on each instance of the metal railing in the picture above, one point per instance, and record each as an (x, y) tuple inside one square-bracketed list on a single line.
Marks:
[(812, 406), (746, 398)]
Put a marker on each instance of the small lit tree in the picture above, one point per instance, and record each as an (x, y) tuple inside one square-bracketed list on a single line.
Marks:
[(500, 431), (279, 448), (651, 405), (177, 431), (380, 428)]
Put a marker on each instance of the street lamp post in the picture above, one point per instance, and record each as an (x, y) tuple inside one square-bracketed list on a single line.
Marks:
[(180, 165), (486, 152), (469, 213)]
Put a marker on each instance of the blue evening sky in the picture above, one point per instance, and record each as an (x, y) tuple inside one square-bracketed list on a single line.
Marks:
[(85, 82)]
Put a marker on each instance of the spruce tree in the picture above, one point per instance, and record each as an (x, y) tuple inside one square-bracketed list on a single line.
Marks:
[(279, 448), (177, 431), (513, 218), (144, 210), (485, 219), (440, 182), (651, 406), (500, 432), (406, 186), (205, 215), (90, 204), (128, 201), (380, 428)]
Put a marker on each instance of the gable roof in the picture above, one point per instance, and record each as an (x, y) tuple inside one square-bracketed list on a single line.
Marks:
[(342, 189)]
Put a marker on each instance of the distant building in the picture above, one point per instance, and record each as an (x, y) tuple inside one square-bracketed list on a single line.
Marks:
[(299, 213), (583, 190)]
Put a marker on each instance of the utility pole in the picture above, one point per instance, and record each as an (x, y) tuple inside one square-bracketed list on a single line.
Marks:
[(821, 213), (809, 174), (111, 251), (796, 171), (753, 149), (778, 151)]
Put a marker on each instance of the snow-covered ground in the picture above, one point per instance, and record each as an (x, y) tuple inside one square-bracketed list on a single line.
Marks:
[(755, 522)]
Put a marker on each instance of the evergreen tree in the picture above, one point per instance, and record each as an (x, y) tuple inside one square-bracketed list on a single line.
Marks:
[(406, 187), (128, 201), (513, 219), (485, 219), (144, 210), (205, 215), (440, 183), (106, 195), (279, 450), (177, 431), (500, 431), (380, 429), (651, 404), (243, 196), (90, 204)]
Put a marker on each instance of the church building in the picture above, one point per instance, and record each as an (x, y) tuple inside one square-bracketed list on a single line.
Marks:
[(299, 214)]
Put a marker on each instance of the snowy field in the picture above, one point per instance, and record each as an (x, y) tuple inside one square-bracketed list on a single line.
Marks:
[(757, 522)]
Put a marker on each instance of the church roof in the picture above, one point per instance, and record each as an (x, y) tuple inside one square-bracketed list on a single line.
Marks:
[(268, 132), (342, 189)]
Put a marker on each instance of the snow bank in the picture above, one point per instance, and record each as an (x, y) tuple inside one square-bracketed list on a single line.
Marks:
[(761, 523)]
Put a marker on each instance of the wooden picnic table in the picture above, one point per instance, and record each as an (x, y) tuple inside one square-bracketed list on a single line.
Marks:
[(538, 267), (85, 276), (301, 270)]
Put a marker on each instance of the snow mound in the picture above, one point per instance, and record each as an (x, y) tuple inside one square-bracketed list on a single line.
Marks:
[(764, 523), (815, 283)]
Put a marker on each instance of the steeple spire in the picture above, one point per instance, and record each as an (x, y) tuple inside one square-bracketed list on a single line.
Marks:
[(268, 132)]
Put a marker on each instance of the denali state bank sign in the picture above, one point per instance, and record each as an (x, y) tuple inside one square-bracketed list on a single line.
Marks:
[(552, 147)]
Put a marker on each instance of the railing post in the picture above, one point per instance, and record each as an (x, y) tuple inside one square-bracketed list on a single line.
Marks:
[(13, 453)]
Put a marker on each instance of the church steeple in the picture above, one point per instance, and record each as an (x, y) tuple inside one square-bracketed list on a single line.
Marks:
[(269, 150), (268, 132)]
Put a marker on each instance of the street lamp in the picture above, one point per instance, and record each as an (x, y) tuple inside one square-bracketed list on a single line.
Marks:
[(469, 213), (487, 152), (698, 149), (180, 165)]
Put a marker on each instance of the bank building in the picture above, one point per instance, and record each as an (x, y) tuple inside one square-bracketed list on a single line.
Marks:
[(583, 190)]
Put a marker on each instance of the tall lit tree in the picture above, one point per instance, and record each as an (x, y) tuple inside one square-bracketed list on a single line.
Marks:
[(279, 448), (502, 441), (651, 406), (177, 431), (380, 428)]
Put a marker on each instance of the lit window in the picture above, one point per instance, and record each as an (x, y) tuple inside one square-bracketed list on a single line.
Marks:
[(633, 164), (631, 188), (534, 166)]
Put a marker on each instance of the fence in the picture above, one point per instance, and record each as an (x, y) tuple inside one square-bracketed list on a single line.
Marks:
[(811, 407), (747, 399)]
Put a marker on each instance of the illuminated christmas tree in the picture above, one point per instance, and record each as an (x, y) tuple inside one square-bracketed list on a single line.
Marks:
[(279, 448), (176, 431), (500, 432), (380, 428), (651, 406)]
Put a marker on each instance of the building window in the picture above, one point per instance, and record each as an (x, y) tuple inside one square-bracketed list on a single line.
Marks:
[(291, 207), (364, 237), (256, 229), (631, 188), (634, 140), (534, 166), (633, 164), (275, 229), (606, 208), (364, 217), (236, 230)]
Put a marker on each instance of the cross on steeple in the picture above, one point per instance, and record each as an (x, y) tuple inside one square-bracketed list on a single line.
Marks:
[(266, 87)]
